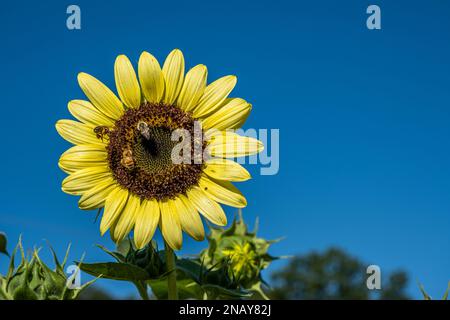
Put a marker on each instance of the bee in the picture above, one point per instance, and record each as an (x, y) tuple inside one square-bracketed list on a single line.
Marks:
[(127, 159), (144, 129), (101, 131)]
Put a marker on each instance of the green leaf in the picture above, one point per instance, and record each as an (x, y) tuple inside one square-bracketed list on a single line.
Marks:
[(223, 293), (192, 268), (3, 244), (187, 289), (115, 271)]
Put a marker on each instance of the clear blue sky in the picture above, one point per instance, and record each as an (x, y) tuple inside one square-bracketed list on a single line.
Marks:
[(364, 118)]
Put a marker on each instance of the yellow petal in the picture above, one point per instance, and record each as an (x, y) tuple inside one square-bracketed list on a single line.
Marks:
[(173, 70), (214, 95), (125, 222), (206, 206), (95, 197), (190, 220), (100, 95), (230, 116), (114, 205), (111, 232), (225, 169), (83, 180), (147, 220), (88, 114), (77, 133), (193, 87), (81, 157), (231, 145), (223, 192), (170, 225), (151, 77), (126, 82)]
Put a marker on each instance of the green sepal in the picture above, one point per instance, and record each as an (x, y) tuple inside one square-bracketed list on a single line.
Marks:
[(58, 266), (125, 246), (34, 280), (427, 297), (445, 297), (422, 290), (116, 255)]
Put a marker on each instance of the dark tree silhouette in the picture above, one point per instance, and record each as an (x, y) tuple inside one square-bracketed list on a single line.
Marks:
[(395, 288), (333, 274), (96, 292)]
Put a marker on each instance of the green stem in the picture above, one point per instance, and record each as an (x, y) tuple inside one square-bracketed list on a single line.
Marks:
[(142, 288), (172, 277)]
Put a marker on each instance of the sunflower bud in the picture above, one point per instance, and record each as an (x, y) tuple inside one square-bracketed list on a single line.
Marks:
[(245, 254), (34, 280), (146, 258)]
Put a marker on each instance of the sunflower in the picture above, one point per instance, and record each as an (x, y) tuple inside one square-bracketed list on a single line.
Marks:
[(122, 158)]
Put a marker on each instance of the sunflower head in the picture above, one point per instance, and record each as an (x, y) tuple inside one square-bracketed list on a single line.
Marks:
[(158, 154)]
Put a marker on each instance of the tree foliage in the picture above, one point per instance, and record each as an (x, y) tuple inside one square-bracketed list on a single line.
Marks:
[(333, 274)]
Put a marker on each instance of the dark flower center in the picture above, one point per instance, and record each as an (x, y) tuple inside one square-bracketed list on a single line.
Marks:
[(140, 152), (153, 153)]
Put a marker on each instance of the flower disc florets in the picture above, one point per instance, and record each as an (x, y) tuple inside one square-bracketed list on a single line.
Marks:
[(141, 147)]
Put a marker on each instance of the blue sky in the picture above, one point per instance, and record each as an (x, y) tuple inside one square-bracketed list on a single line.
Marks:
[(363, 116)]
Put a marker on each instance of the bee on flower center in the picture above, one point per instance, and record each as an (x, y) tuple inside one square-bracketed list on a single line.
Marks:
[(144, 129), (127, 159)]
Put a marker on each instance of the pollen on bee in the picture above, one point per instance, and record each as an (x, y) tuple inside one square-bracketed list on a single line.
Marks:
[(127, 159)]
